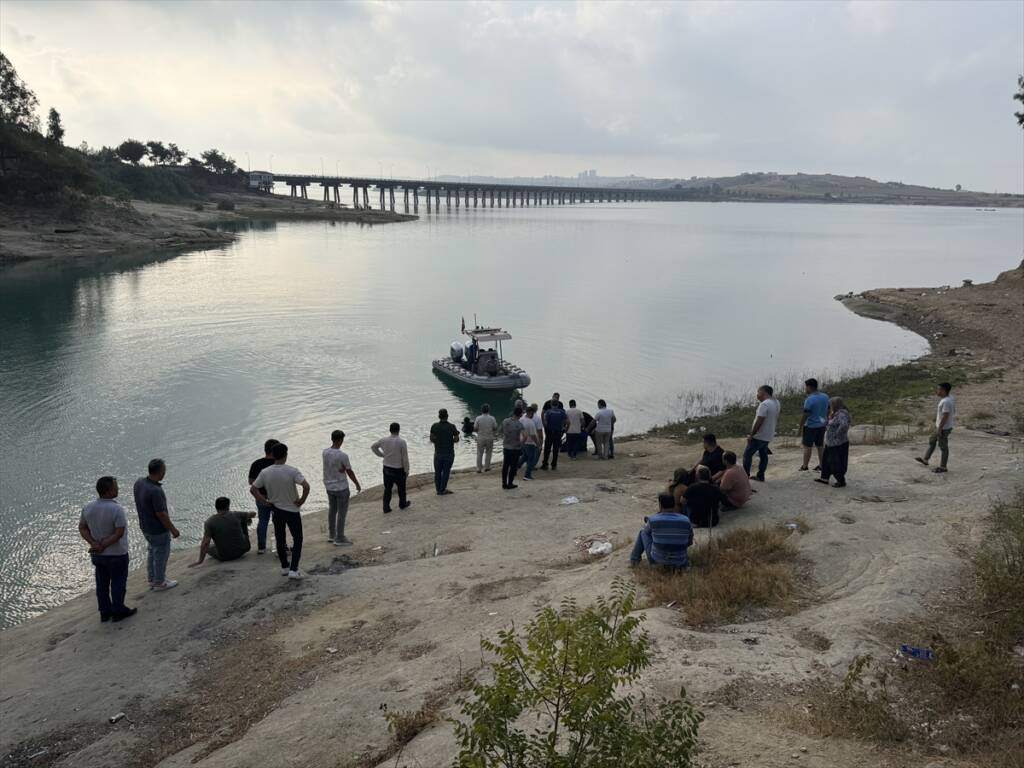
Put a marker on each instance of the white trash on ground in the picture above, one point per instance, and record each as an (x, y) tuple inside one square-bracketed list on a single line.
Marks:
[(570, 500), (600, 548)]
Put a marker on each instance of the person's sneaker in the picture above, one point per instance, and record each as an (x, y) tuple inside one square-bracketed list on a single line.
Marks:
[(285, 571), (261, 551), (759, 479), (344, 542), (820, 480), (405, 506), (487, 469), (128, 613), (919, 460), (802, 468), (295, 575), (939, 470), (387, 511), (511, 487), (104, 617), (818, 468), (544, 467), (446, 492), (479, 471), (167, 584), (838, 485), (330, 539)]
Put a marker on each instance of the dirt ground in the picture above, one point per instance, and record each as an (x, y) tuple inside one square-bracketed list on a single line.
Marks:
[(239, 666), (35, 234)]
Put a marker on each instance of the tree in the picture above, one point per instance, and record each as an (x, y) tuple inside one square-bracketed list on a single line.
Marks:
[(17, 102), (217, 162), (54, 129), (175, 155), (957, 187), (563, 682), (131, 150), (1019, 96), (157, 152)]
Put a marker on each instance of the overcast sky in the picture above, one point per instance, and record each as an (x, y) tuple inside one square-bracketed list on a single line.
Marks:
[(915, 92)]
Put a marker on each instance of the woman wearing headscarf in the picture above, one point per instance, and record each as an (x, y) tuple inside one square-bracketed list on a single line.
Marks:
[(837, 444)]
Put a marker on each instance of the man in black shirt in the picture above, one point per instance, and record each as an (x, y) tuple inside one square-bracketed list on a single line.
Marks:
[(263, 511), (702, 501), (711, 458), (444, 436)]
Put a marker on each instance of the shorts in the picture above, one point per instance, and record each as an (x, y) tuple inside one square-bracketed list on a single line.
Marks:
[(813, 436)]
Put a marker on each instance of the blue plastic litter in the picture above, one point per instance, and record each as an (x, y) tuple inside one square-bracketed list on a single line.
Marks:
[(925, 654)]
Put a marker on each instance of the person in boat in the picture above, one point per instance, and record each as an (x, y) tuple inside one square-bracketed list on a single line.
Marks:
[(471, 354), (491, 369)]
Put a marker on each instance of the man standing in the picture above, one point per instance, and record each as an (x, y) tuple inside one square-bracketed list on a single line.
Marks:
[(104, 526), (225, 533), (263, 512), (513, 433), (156, 525), (554, 426), (604, 423), (945, 418), (555, 398), (395, 453), (531, 441), (812, 422), (444, 436), (762, 431), (486, 428), (574, 430), (337, 471), (275, 486)]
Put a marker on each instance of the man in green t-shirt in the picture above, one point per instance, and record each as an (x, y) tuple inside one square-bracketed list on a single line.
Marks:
[(225, 534), (444, 436)]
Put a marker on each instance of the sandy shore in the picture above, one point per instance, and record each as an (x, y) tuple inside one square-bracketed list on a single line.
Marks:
[(104, 228), (240, 667)]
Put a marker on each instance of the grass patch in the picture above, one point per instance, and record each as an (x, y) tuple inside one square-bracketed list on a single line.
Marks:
[(857, 708), (891, 395), (731, 576)]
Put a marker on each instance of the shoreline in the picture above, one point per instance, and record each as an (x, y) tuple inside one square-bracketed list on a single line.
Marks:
[(101, 228)]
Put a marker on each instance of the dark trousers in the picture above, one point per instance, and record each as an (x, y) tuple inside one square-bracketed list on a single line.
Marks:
[(292, 521), (552, 443), (834, 462), (509, 465), (111, 583), (442, 471), (263, 515), (572, 443), (392, 477), (760, 447)]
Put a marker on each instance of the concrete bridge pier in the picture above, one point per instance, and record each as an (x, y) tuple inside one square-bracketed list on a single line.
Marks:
[(405, 190), (391, 195), (355, 198), (366, 198)]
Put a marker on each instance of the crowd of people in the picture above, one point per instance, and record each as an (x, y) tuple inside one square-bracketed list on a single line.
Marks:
[(696, 496)]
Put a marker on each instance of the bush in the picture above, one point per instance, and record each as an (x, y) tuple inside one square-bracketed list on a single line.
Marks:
[(225, 205), (563, 678)]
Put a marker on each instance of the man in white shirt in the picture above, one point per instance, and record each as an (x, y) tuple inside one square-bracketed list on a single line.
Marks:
[(604, 423), (395, 452), (574, 431), (337, 471), (275, 486), (762, 431), (945, 417), (531, 441), (486, 428), (104, 526)]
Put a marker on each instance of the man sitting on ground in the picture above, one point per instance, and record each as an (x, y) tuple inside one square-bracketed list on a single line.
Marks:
[(225, 533), (711, 458), (702, 500), (665, 537), (733, 483)]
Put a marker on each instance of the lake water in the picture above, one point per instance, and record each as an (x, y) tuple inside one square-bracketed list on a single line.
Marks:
[(300, 328)]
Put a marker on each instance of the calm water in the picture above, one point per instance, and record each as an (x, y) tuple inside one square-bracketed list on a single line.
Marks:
[(301, 328)]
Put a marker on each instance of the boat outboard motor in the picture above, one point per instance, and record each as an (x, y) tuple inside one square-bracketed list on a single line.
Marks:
[(456, 351)]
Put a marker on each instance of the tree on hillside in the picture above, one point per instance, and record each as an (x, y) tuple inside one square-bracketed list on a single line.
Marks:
[(1019, 96), (17, 102), (132, 151), (958, 187), (217, 162), (157, 152), (54, 129), (175, 155)]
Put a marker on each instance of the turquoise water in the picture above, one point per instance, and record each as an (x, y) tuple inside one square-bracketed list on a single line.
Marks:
[(300, 328)]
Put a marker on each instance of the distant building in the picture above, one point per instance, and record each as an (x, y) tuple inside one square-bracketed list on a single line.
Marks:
[(261, 181)]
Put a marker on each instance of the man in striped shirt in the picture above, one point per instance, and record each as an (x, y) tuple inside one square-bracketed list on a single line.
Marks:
[(665, 537)]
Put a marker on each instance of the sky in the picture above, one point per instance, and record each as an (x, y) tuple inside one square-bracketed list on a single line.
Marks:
[(918, 92)]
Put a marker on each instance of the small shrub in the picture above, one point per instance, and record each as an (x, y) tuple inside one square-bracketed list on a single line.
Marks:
[(857, 708), (225, 205), (562, 681)]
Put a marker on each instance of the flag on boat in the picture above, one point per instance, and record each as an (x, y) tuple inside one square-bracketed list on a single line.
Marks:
[(463, 325)]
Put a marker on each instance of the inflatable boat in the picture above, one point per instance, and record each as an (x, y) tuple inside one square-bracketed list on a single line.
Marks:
[(479, 364)]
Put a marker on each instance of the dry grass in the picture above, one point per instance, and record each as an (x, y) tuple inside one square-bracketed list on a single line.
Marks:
[(730, 577)]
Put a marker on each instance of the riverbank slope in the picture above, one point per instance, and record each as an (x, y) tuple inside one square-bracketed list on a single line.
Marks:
[(94, 227), (239, 665)]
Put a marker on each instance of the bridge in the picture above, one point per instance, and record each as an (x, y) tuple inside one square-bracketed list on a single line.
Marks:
[(469, 193)]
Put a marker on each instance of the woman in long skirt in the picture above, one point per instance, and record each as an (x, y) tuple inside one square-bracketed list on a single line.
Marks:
[(837, 444)]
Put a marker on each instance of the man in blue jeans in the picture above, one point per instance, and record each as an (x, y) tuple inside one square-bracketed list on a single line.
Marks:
[(444, 436), (263, 511), (104, 526), (812, 423), (665, 536), (762, 431), (156, 525)]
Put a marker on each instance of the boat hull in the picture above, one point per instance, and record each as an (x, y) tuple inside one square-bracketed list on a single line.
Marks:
[(515, 378)]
